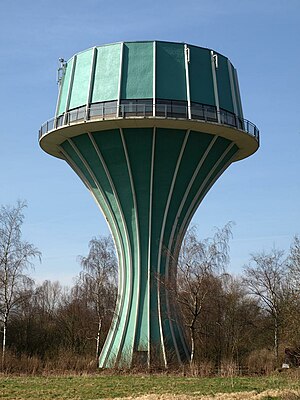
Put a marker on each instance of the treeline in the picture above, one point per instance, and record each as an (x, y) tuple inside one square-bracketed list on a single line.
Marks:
[(250, 322)]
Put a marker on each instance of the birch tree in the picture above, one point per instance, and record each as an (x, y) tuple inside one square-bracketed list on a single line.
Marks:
[(265, 278), (99, 278), (16, 257), (199, 262)]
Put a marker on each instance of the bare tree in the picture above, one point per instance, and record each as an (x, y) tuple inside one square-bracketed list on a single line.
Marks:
[(48, 296), (15, 258), (99, 279), (198, 264), (265, 278)]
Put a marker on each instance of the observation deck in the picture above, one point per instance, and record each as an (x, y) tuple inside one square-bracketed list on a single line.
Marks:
[(162, 113)]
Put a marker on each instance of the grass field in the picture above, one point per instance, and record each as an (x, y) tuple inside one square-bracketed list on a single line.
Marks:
[(147, 387)]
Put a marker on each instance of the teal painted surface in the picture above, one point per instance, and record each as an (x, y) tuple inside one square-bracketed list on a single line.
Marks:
[(106, 79), (64, 88), (139, 147), (137, 75), (81, 79), (195, 148), (168, 144), (137, 322), (116, 163), (223, 83), (200, 76), (170, 71), (137, 71), (237, 91), (227, 158), (216, 152), (108, 143)]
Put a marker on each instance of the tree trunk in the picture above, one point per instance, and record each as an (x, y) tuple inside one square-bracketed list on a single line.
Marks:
[(98, 338), (4, 341), (192, 330), (276, 338)]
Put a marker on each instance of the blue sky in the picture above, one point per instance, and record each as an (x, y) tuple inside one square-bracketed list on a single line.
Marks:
[(261, 194)]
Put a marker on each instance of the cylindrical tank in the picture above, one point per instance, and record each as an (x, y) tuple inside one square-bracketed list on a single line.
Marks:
[(148, 127)]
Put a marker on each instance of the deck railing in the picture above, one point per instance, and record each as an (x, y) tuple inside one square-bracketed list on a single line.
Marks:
[(102, 111)]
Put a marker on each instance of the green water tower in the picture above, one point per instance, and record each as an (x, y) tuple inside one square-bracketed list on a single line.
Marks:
[(148, 127)]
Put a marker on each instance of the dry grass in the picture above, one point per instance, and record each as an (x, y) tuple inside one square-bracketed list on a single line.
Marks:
[(287, 394), (142, 387)]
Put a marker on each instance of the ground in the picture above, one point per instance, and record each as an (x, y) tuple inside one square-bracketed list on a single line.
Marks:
[(145, 387)]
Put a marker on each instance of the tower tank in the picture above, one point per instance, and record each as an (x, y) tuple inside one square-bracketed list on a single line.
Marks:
[(148, 127)]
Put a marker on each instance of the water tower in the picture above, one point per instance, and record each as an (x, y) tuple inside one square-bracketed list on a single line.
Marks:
[(148, 127)]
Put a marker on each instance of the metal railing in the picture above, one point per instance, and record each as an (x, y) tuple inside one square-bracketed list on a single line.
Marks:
[(102, 111)]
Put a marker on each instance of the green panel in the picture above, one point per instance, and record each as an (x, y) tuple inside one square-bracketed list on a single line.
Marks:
[(139, 147), (137, 71), (168, 144), (112, 150), (225, 160), (204, 190), (64, 89), (81, 80), (210, 182), (200, 75), (102, 177), (170, 71), (237, 93), (87, 150), (215, 153), (195, 148), (106, 79), (223, 82)]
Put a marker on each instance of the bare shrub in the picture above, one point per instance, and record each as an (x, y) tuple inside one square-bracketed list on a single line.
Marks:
[(229, 368), (64, 363), (261, 361), (203, 369)]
